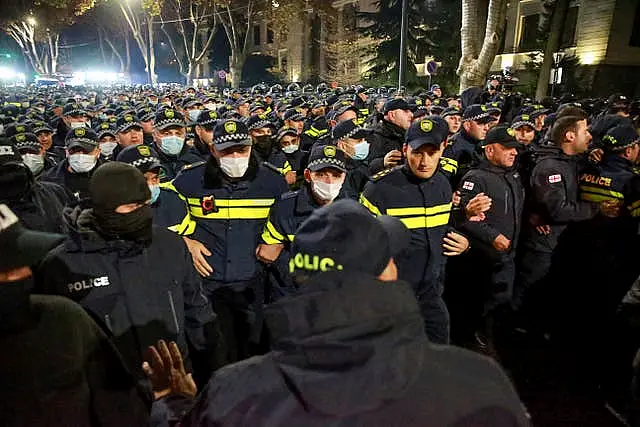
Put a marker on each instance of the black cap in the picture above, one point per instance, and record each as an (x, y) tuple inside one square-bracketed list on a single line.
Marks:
[(38, 127), (207, 118), (19, 246), (395, 104), (145, 113), (9, 153), (344, 236), (293, 114), (523, 120), (168, 117), (126, 121), (618, 99), (342, 107), (326, 156), (141, 156), (73, 109), (494, 107), (105, 128), (349, 129), (116, 183), (257, 122), (451, 111), (26, 142), (230, 133), (538, 110), (16, 128), (84, 138), (431, 130), (285, 130), (477, 113), (503, 135), (620, 137)]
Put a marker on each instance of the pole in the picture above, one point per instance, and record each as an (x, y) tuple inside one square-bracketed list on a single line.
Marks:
[(403, 43), (553, 85)]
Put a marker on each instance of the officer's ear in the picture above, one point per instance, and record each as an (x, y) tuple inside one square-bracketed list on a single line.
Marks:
[(307, 175), (404, 150)]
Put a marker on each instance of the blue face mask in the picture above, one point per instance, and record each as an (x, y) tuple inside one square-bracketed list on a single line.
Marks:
[(193, 115), (362, 150), (155, 193), (171, 145)]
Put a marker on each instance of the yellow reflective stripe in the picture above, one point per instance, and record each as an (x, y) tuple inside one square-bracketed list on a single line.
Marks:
[(604, 192), (291, 237), (635, 204), (419, 210), (275, 233), (449, 165), (319, 131), (232, 203), (360, 121), (268, 239), (596, 198), (426, 221), (187, 226), (231, 213), (367, 204), (635, 212), (286, 168)]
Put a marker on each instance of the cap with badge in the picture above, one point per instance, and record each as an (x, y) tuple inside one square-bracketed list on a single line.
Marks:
[(126, 121), (257, 122), (168, 117), (503, 135), (207, 118), (83, 138), (230, 133), (285, 130), (38, 127), (432, 130), (15, 129), (477, 113), (74, 110), (293, 115), (349, 129), (523, 120), (620, 137), (141, 156), (9, 154), (145, 114), (21, 247), (105, 128), (327, 156), (343, 106), (395, 104), (26, 142), (451, 111), (344, 236)]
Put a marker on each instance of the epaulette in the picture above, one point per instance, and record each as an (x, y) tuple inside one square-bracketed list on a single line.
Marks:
[(381, 174), (194, 165), (289, 195)]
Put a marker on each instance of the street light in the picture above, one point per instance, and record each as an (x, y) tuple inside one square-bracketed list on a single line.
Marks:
[(31, 21), (557, 59)]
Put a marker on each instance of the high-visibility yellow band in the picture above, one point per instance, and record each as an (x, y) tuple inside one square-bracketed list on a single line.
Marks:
[(426, 221), (230, 213), (367, 204), (611, 193), (185, 228), (635, 204), (286, 168), (419, 210), (596, 198), (232, 203), (635, 212), (268, 238), (275, 233)]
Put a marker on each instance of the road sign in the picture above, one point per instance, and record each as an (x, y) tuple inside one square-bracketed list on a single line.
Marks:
[(222, 74), (432, 67)]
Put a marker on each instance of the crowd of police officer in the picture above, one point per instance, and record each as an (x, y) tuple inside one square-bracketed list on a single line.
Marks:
[(523, 215)]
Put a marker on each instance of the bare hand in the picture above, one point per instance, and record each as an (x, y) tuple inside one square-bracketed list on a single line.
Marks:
[(456, 199), (543, 230), (596, 155), (477, 206), (268, 253), (198, 252), (455, 244), (610, 208), (392, 158), (501, 243), (165, 369), (290, 177)]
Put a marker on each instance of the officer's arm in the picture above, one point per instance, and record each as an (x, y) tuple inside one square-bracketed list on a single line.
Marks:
[(376, 155), (550, 195), (449, 162), (174, 211), (273, 237), (372, 200), (470, 187), (632, 197)]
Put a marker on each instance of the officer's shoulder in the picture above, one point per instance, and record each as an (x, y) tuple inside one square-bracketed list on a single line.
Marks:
[(289, 195), (385, 174), (194, 165)]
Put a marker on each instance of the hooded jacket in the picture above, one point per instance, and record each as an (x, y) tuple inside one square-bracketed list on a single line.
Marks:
[(140, 293), (385, 137), (76, 184), (366, 364)]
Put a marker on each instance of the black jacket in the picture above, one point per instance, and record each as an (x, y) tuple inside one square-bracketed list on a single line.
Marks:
[(366, 364), (140, 293), (459, 155), (76, 184), (172, 165), (504, 217), (385, 137)]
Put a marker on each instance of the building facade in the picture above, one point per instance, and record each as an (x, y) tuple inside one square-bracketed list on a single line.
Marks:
[(600, 39)]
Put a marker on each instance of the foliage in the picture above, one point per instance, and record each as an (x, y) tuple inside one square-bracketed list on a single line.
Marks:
[(343, 62)]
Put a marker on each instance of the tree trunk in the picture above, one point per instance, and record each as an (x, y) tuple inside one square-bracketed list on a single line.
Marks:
[(474, 66), (127, 51), (101, 44), (237, 63), (152, 54), (553, 44)]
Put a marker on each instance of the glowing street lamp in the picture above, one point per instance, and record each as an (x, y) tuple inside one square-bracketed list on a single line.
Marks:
[(31, 21)]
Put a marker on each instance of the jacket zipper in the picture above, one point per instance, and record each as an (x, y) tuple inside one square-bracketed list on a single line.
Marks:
[(173, 311), (107, 321)]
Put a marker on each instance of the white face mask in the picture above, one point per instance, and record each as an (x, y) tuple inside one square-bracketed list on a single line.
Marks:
[(326, 192), (234, 167), (106, 148), (34, 162), (210, 106), (290, 149), (193, 115), (81, 163)]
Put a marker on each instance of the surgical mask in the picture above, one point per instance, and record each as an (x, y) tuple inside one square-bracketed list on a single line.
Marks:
[(34, 162), (82, 163), (234, 167), (193, 115), (155, 193), (290, 149), (107, 148), (210, 106), (171, 145), (76, 125), (85, 104), (361, 150), (41, 109), (327, 192), (152, 102)]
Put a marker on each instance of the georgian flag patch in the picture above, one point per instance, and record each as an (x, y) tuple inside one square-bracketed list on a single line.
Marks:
[(468, 185), (555, 178)]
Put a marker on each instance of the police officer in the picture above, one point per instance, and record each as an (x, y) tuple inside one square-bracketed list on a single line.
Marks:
[(352, 139), (420, 197), (39, 204), (136, 278), (169, 139), (128, 131), (387, 136), (288, 142), (227, 201), (480, 282), (146, 116), (45, 135), (464, 147), (106, 139), (32, 152), (324, 177), (203, 132), (265, 149), (453, 116), (83, 157), (73, 116)]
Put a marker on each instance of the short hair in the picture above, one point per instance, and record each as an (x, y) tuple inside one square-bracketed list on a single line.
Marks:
[(571, 110), (562, 126)]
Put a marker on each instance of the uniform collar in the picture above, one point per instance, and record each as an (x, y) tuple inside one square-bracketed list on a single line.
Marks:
[(305, 203)]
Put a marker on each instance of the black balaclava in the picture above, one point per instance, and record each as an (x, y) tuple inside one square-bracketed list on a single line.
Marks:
[(115, 184), (15, 182), (263, 145)]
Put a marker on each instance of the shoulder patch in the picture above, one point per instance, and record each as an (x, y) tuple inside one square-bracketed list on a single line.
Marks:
[(381, 174), (194, 165), (468, 185), (554, 178)]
